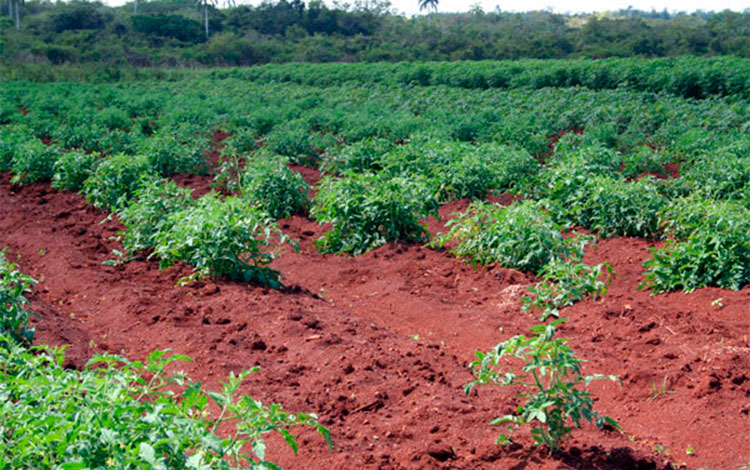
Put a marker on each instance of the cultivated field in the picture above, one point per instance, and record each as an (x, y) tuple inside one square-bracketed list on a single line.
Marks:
[(358, 232)]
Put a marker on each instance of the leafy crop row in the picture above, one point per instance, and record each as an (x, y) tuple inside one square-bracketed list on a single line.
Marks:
[(117, 413)]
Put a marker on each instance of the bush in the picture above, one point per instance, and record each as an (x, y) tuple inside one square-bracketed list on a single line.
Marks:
[(368, 210), (12, 140), (721, 175), (565, 282), (361, 156), (14, 316), (292, 140), (72, 169), (171, 26), (34, 161), (113, 119), (520, 236), (115, 180), (117, 413), (477, 171), (242, 142), (273, 188), (149, 215), (643, 160), (167, 156), (713, 248), (221, 238), (614, 207), (569, 173)]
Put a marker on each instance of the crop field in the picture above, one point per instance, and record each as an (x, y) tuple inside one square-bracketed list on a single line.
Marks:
[(491, 265)]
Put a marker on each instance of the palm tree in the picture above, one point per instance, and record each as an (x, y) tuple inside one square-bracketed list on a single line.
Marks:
[(205, 3), (428, 4), (18, 15)]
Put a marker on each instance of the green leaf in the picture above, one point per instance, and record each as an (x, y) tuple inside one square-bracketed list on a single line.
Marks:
[(147, 453)]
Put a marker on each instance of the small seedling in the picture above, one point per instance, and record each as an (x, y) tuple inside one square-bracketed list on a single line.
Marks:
[(657, 391)]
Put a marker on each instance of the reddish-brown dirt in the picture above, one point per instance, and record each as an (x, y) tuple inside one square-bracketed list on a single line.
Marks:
[(378, 345)]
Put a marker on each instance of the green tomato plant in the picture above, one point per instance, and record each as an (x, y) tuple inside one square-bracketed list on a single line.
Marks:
[(551, 382)]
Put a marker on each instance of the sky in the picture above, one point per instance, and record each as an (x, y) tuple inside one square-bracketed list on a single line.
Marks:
[(577, 6), (409, 7)]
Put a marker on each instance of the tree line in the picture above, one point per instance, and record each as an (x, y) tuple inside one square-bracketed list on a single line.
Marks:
[(217, 32)]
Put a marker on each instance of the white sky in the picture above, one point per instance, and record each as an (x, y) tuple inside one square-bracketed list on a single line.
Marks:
[(561, 6), (576, 6)]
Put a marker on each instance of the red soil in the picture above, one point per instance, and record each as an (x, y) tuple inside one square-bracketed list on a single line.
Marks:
[(341, 342)]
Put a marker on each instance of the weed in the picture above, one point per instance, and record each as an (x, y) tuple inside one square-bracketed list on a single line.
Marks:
[(566, 282), (659, 391)]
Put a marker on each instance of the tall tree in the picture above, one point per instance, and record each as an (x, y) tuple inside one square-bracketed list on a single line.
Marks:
[(18, 14), (205, 4), (428, 4)]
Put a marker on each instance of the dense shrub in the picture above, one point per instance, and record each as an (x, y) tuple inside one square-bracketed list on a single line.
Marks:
[(167, 156), (170, 26), (14, 313), (115, 180), (367, 211), (274, 188), (221, 238), (364, 155), (34, 161), (72, 169), (613, 207), (12, 140), (712, 248), (149, 214), (113, 118), (520, 236)]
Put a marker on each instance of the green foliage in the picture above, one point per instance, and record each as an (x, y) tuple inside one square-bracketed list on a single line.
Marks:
[(361, 156), (149, 214), (115, 180), (292, 140), (552, 383), (168, 156), (274, 188), (565, 282), (368, 210), (12, 140), (520, 236), (221, 238), (118, 413), (712, 248), (613, 207), (477, 171), (113, 118), (170, 26), (72, 169), (723, 174), (14, 315), (641, 160), (34, 161), (242, 142)]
